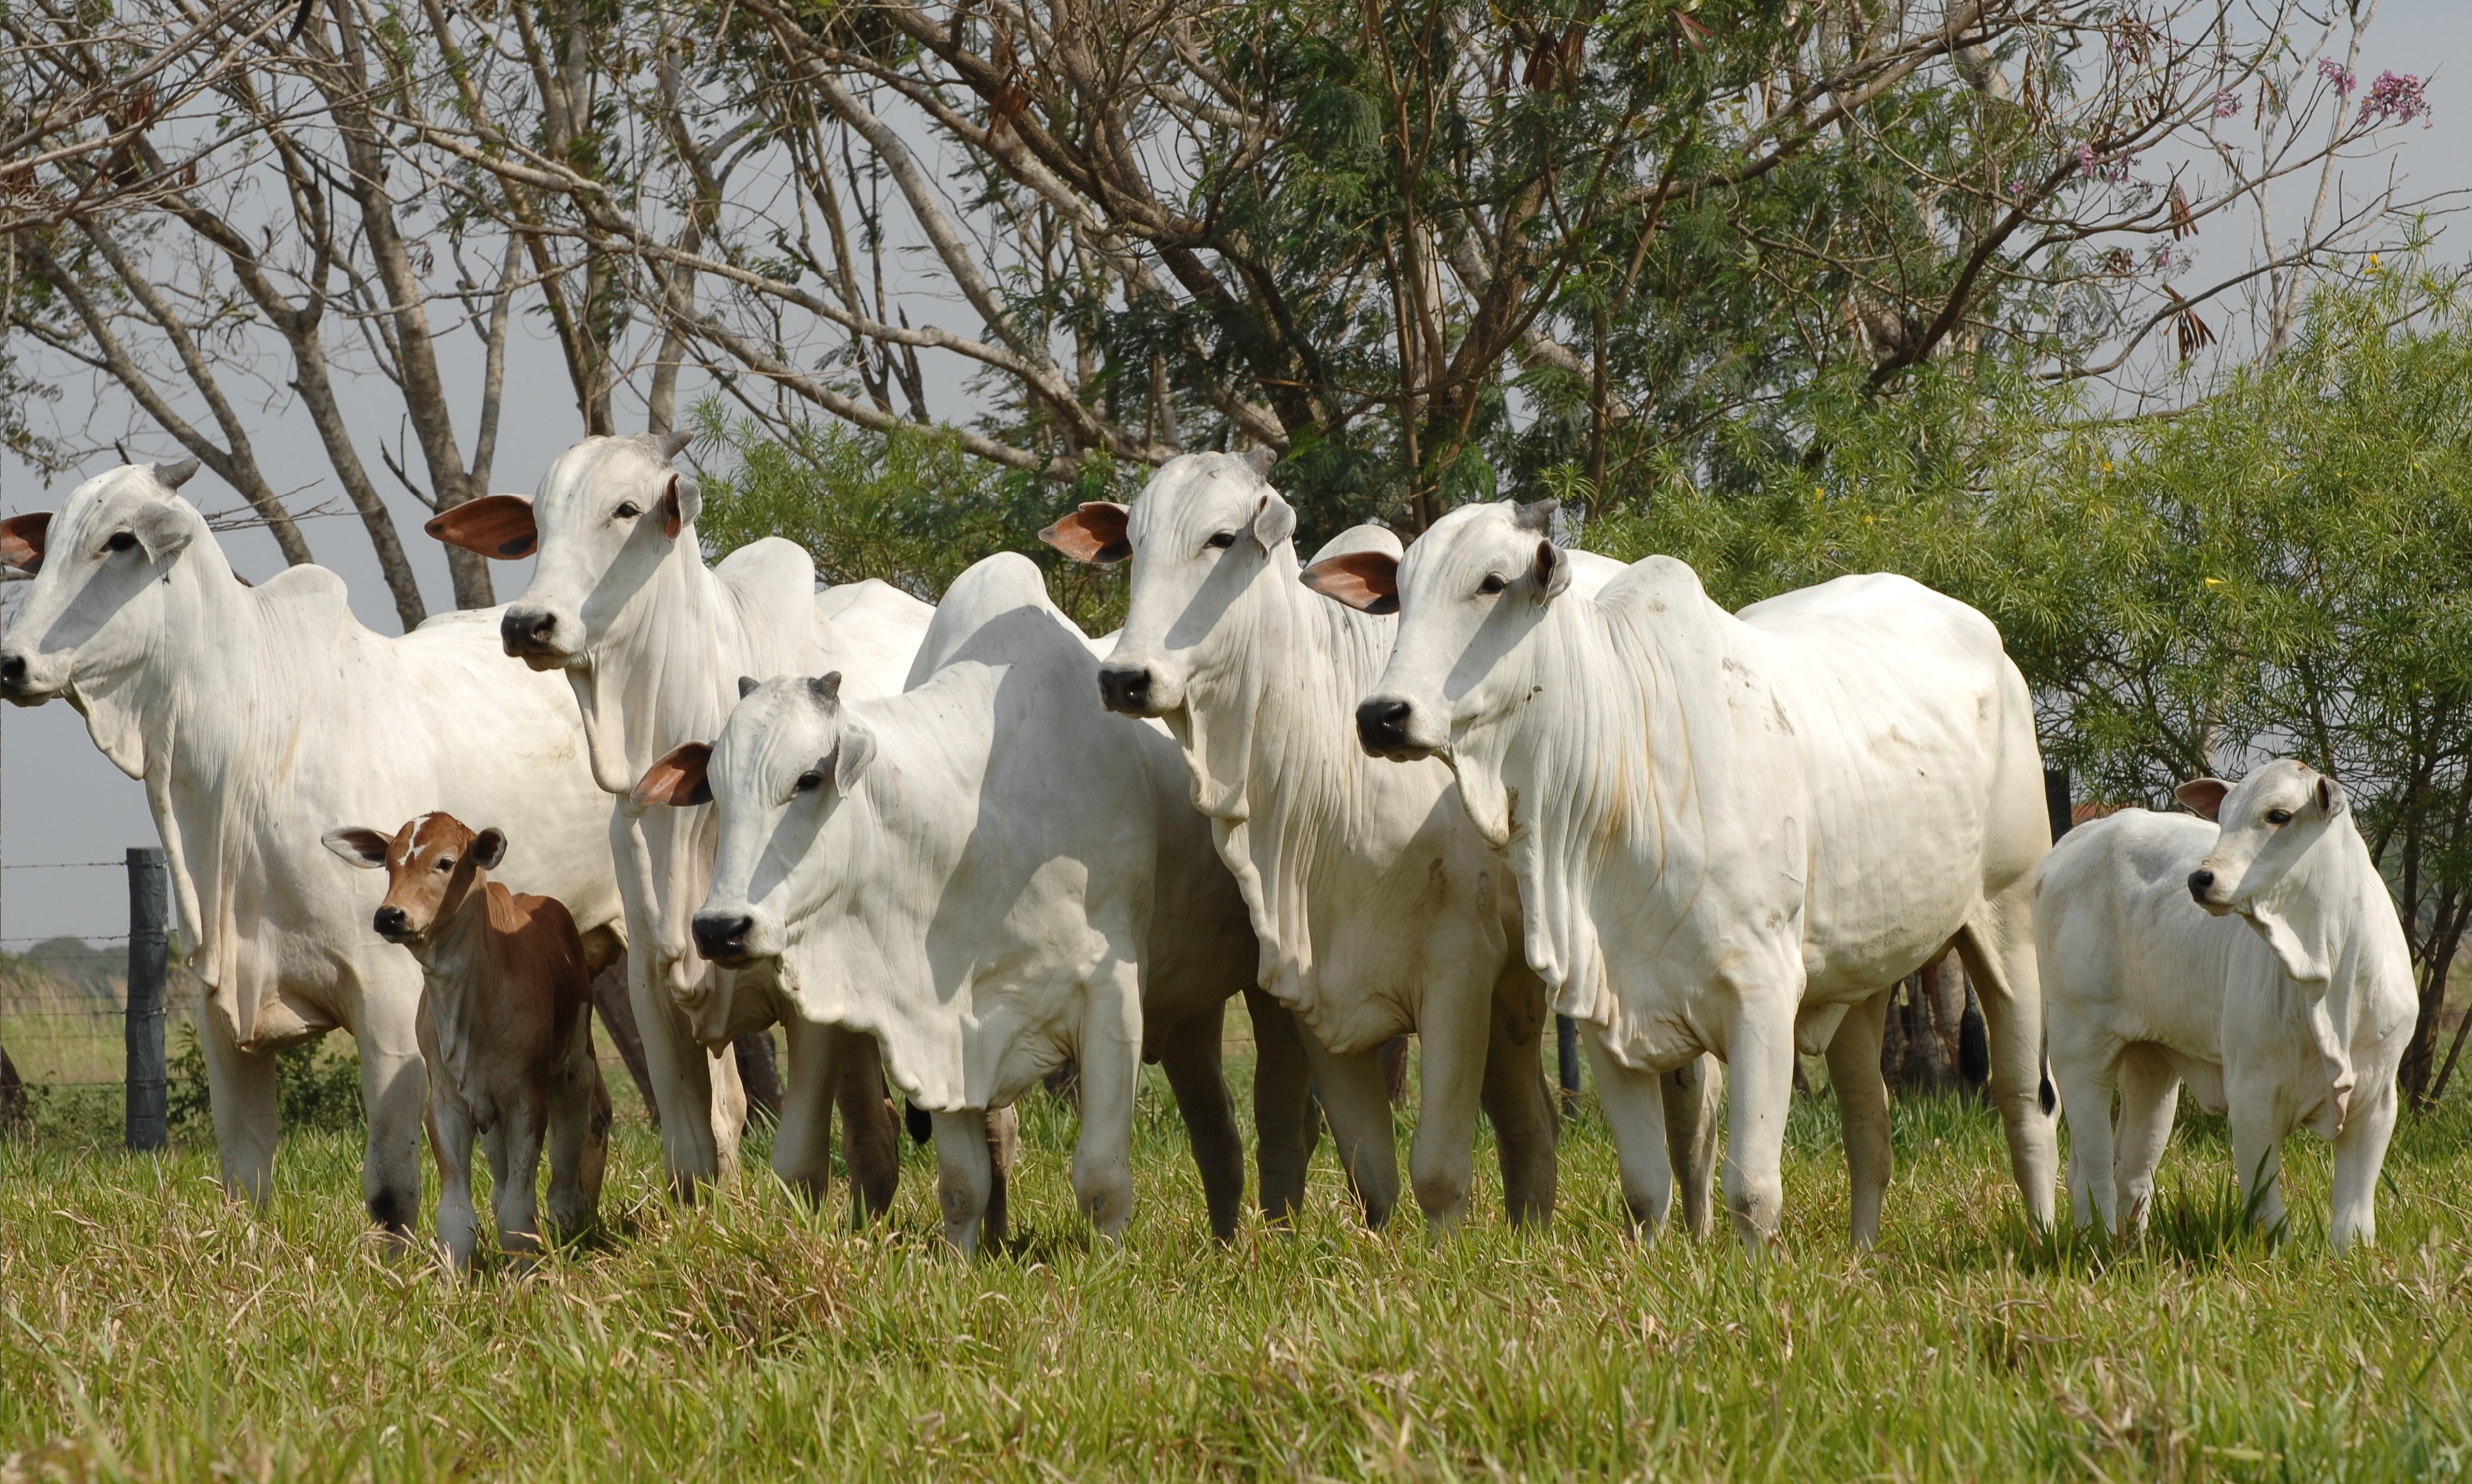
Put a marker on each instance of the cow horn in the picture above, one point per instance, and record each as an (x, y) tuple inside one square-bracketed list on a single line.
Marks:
[(747, 685), (675, 442), (175, 475)]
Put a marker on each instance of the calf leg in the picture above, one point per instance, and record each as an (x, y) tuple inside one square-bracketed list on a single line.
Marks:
[(1998, 947), (962, 1176), (395, 1087), (2257, 1155), (1451, 1036), (2150, 1098), (1635, 1106), (870, 1133), (1189, 1054), (1692, 1093), (450, 1144), (803, 1146), (1863, 1111), (2359, 1153), (240, 1093), (1522, 1108), (1004, 1148), (1285, 1129), (1110, 1058), (579, 1136), (513, 1145), (2086, 1084), (1357, 1102)]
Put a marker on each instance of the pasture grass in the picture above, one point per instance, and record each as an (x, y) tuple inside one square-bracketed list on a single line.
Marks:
[(150, 1328)]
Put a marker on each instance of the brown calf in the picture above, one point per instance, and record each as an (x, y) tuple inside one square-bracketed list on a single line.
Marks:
[(505, 1025)]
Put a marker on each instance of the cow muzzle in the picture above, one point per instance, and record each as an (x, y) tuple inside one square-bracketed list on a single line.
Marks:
[(725, 937), (392, 922), (1388, 727), (2202, 889), (542, 638), (21, 685), (1130, 690)]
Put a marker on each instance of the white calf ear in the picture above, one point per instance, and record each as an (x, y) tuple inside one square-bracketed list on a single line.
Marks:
[(2331, 800), (1096, 533), (21, 540), (1275, 520), (361, 846), (1367, 581), (678, 777), (1553, 571), (680, 504), (488, 848), (498, 527), (2203, 795), (852, 757), (162, 528)]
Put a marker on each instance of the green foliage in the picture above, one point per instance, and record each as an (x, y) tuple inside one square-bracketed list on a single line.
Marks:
[(317, 1087)]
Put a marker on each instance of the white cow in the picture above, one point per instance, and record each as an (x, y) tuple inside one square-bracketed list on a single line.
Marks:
[(652, 642), (1730, 831), (1376, 905), (2257, 957), (256, 719), (986, 873)]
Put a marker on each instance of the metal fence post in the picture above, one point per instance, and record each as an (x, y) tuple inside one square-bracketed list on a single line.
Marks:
[(149, 954)]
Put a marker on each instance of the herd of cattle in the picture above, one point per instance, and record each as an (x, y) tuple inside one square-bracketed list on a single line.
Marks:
[(1451, 789)]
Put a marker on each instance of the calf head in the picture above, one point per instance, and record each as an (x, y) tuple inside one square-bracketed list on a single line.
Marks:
[(101, 565), (607, 513), (1202, 532), (433, 864), (1467, 593), (785, 763), (2280, 825)]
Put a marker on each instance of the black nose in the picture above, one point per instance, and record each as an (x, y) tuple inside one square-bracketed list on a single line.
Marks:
[(2200, 882), (1382, 726), (391, 922), (722, 939), (521, 630), (13, 674), (1125, 690)]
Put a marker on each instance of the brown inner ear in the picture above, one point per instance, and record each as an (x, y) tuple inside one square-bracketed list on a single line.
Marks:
[(21, 540), (1367, 581), (498, 527), (670, 517), (1093, 534), (678, 777), (2205, 795)]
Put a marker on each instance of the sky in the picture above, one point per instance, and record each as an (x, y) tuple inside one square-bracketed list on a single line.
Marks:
[(61, 805)]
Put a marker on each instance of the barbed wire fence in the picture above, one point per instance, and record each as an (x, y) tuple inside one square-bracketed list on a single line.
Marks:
[(81, 1015)]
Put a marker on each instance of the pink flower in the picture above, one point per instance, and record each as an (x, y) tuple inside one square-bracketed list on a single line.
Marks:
[(2227, 104), (2085, 159), (2395, 97), (2332, 72)]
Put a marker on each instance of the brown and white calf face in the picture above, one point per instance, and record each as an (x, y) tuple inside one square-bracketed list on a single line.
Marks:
[(2272, 822), (432, 863)]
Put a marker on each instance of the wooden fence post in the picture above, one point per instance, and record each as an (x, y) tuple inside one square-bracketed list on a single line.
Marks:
[(150, 962)]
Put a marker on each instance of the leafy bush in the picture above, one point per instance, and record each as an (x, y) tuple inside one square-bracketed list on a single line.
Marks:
[(315, 1087)]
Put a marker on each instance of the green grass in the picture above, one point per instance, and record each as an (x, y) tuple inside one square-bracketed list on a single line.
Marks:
[(150, 1328)]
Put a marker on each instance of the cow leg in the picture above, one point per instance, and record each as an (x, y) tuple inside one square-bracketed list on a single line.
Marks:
[(240, 1093), (1004, 1148), (2359, 1153), (394, 1088), (1634, 1108), (1998, 947), (1515, 1096), (870, 1131), (1863, 1111), (2257, 1154), (1357, 1102), (1451, 1037), (579, 1136), (803, 1146), (682, 1073), (450, 1144), (1285, 1129), (1761, 1055), (1190, 1057), (2086, 1084), (515, 1148), (962, 1177), (1110, 1058), (1693, 1092), (2150, 1098)]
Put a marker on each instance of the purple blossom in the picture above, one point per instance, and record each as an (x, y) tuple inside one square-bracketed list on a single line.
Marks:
[(2335, 72), (2085, 159), (2395, 97), (2227, 104)]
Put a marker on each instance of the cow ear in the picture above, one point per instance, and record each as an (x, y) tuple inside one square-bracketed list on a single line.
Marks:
[(678, 777), (361, 846), (680, 504), (1275, 520), (1093, 534), (1553, 571), (1367, 581), (2331, 799), (2203, 795), (851, 757), (498, 527), (21, 540), (162, 528), (488, 849)]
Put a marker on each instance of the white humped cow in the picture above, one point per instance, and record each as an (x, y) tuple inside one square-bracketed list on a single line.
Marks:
[(256, 719), (986, 873), (1730, 831), (1377, 907), (2253, 953), (652, 641)]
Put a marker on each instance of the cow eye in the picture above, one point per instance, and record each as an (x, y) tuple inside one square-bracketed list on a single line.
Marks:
[(627, 512), (1493, 584), (1222, 541), (446, 862), (810, 780), (2278, 816), (121, 541)]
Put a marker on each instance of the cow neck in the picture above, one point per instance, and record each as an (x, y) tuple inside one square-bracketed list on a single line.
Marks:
[(2364, 949), (665, 671), (455, 963)]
